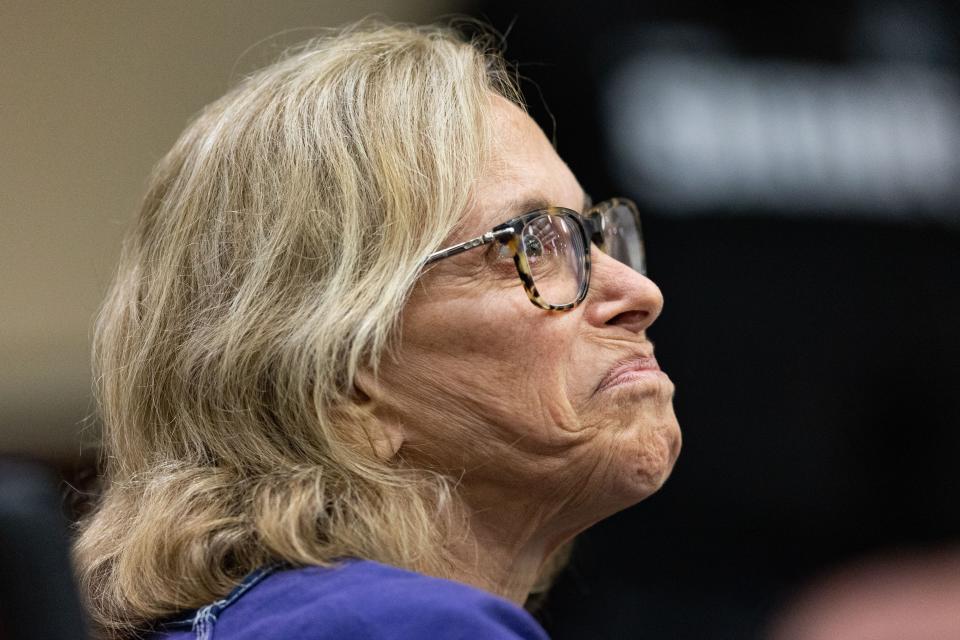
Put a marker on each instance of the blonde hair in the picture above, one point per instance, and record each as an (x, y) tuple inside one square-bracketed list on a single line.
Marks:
[(276, 246)]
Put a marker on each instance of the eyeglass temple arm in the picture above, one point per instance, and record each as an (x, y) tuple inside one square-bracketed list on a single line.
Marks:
[(486, 238)]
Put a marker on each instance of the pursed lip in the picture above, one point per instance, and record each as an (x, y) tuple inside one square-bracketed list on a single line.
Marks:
[(622, 371)]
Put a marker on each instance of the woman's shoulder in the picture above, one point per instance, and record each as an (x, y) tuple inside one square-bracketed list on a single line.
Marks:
[(362, 599)]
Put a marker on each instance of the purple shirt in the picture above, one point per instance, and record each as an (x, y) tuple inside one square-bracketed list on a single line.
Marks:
[(355, 600)]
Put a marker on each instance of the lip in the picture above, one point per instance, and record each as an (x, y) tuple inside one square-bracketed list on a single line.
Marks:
[(637, 367)]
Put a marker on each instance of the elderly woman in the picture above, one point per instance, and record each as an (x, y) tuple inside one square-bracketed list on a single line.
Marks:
[(370, 359)]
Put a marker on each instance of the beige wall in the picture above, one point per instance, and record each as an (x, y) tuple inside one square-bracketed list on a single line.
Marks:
[(91, 96)]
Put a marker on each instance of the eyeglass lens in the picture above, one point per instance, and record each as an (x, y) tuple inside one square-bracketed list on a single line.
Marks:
[(553, 246), (554, 249), (621, 237)]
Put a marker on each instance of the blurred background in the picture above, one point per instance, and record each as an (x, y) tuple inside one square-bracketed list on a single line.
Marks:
[(798, 169)]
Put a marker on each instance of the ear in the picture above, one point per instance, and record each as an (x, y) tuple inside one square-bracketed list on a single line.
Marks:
[(384, 430)]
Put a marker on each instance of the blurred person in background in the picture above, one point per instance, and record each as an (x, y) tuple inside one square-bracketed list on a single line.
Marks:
[(370, 361)]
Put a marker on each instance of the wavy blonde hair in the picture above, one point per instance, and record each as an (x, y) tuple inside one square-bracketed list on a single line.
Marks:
[(276, 246)]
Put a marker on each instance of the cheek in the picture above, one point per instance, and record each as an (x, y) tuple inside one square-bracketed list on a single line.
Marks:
[(454, 387), (500, 354)]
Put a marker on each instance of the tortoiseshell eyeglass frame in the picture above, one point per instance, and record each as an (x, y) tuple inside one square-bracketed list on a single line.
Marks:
[(589, 224)]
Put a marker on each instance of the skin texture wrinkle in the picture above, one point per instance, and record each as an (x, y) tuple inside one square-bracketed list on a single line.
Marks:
[(486, 387)]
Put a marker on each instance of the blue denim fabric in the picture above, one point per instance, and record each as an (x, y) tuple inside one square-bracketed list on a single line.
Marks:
[(203, 621)]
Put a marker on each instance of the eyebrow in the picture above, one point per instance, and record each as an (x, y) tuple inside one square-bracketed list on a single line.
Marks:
[(524, 204)]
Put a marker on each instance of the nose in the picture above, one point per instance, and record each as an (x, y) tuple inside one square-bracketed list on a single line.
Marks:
[(619, 296)]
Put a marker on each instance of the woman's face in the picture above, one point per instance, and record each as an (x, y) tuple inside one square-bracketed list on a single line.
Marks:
[(517, 401)]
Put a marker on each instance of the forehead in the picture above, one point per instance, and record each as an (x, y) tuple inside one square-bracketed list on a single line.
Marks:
[(523, 172)]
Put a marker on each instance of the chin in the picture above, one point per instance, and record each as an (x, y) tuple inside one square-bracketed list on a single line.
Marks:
[(649, 459), (634, 456)]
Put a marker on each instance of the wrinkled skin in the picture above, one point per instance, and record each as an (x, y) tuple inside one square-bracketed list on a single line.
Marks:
[(504, 395)]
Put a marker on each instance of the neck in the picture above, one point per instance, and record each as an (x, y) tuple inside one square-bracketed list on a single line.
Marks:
[(503, 552)]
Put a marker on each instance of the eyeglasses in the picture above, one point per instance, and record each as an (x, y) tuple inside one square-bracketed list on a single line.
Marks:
[(551, 248)]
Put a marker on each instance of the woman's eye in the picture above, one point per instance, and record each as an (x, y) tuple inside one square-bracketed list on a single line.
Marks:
[(533, 247), (542, 247)]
